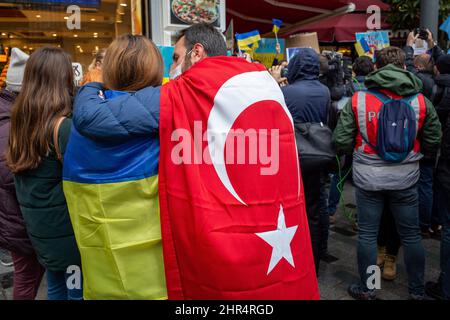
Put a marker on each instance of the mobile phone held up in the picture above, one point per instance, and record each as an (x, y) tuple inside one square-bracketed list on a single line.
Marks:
[(423, 33)]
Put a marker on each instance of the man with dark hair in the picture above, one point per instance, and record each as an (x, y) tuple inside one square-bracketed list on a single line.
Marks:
[(373, 126), (203, 218), (391, 55), (194, 44), (363, 66)]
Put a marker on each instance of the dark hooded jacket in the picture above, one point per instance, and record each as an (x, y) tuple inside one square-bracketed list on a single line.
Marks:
[(13, 234), (307, 99)]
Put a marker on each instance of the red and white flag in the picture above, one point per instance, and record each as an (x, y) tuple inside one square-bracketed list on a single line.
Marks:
[(233, 216)]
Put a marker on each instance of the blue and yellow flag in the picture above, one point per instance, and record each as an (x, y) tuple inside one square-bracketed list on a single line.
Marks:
[(277, 23), (446, 27), (112, 195), (248, 41), (362, 47)]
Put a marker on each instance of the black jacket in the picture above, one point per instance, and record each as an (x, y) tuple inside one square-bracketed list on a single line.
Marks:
[(442, 104), (307, 99), (13, 233)]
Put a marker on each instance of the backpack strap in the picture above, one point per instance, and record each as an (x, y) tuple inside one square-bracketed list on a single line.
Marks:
[(381, 96), (385, 99), (410, 98), (55, 138)]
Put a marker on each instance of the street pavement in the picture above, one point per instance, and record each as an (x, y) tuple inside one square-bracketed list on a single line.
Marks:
[(334, 277)]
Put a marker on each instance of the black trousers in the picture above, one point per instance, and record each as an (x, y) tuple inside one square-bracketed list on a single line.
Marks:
[(312, 182)]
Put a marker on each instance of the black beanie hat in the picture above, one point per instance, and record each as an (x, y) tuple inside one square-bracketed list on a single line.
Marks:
[(443, 64)]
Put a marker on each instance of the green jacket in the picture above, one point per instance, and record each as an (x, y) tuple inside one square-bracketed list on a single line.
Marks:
[(45, 212), (403, 83)]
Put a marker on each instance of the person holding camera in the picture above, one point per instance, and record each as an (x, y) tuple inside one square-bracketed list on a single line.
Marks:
[(422, 65)]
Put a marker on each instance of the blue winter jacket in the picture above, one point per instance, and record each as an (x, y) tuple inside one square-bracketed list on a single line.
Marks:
[(307, 99), (130, 115)]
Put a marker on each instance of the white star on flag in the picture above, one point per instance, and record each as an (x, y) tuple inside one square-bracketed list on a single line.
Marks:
[(280, 240)]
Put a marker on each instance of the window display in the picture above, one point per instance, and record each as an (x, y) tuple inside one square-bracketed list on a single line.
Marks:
[(80, 27)]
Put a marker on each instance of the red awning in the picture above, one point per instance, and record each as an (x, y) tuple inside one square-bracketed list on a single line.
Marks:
[(258, 14), (340, 29)]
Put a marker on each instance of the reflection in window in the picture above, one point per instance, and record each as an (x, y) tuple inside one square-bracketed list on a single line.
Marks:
[(80, 27)]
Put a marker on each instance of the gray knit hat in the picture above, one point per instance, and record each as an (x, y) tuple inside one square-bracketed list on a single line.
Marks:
[(16, 69)]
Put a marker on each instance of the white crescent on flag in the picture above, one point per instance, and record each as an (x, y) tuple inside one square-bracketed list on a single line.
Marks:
[(233, 98)]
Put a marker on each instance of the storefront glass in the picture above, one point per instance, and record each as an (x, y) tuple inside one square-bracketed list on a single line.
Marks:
[(80, 27)]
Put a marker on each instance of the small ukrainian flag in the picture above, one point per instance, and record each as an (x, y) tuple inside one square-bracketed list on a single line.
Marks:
[(244, 40), (277, 25), (362, 48)]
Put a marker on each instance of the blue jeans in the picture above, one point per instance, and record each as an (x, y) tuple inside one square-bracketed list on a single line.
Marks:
[(335, 196), (404, 206), (58, 287), (425, 186)]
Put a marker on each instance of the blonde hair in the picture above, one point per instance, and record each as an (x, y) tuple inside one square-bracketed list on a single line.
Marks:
[(132, 63)]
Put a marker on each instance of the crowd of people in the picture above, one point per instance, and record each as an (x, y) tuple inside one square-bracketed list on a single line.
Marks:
[(389, 126)]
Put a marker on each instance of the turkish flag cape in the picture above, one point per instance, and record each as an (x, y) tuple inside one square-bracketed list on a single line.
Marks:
[(233, 217)]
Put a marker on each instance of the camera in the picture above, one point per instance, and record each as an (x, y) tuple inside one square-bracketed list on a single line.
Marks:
[(284, 72), (334, 60), (423, 33)]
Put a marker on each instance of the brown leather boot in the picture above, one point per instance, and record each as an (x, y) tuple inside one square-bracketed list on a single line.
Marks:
[(390, 268), (381, 255)]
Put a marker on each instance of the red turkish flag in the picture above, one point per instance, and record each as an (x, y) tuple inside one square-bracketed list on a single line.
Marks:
[(233, 216)]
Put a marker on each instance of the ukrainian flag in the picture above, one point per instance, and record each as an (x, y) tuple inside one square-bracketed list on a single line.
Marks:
[(362, 48), (249, 40), (277, 25), (112, 195)]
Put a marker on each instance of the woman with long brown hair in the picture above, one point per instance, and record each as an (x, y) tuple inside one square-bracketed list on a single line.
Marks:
[(40, 127), (112, 185)]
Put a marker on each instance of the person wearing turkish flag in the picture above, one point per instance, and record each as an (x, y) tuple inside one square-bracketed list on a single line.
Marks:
[(232, 205)]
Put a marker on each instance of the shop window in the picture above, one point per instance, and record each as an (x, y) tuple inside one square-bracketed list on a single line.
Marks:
[(80, 27)]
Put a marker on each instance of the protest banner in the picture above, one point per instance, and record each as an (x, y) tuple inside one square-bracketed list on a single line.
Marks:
[(167, 53), (304, 40), (266, 52)]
